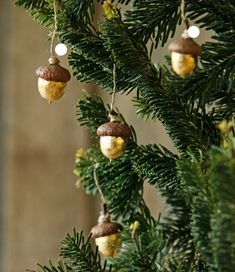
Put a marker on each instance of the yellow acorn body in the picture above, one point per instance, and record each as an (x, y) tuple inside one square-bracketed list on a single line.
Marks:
[(50, 90), (183, 64), (112, 147), (109, 245)]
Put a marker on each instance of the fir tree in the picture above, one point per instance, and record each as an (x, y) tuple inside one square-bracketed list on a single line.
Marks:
[(198, 182)]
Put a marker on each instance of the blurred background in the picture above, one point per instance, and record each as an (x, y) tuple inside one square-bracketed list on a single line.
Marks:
[(38, 198)]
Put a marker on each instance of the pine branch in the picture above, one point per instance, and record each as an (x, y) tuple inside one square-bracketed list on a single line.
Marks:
[(218, 15), (157, 166), (212, 207), (153, 19), (188, 129), (83, 10), (120, 185), (40, 10), (195, 185), (176, 226), (222, 172), (32, 4), (128, 52), (224, 107), (77, 255), (91, 112), (143, 248)]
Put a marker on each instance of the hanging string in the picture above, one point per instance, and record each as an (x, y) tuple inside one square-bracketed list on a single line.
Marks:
[(97, 184), (55, 29), (114, 87), (183, 17)]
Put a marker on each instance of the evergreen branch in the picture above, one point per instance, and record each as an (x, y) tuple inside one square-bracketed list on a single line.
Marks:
[(143, 248), (157, 166), (61, 267), (119, 183), (175, 264), (176, 226), (88, 71), (80, 9), (187, 128), (223, 107), (201, 228), (40, 10), (195, 185), (218, 15), (77, 255), (129, 54), (32, 4), (91, 112), (84, 42), (153, 19), (222, 172)]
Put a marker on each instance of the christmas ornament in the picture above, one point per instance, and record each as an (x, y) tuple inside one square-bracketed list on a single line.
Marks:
[(107, 234), (52, 80), (184, 53), (113, 136), (184, 50)]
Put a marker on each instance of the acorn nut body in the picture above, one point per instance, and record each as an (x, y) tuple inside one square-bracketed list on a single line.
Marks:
[(110, 245), (52, 79), (184, 54)]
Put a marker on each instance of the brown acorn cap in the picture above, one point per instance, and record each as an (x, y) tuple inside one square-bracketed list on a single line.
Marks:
[(185, 46), (105, 229), (114, 128), (53, 71)]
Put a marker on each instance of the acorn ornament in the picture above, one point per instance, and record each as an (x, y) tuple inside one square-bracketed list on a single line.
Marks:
[(107, 234), (52, 79), (184, 54), (113, 136)]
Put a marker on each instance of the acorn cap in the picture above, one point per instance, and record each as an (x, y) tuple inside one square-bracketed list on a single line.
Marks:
[(114, 128), (185, 46), (105, 229), (53, 71)]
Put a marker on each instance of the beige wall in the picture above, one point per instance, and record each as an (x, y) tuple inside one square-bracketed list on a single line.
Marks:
[(41, 201)]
